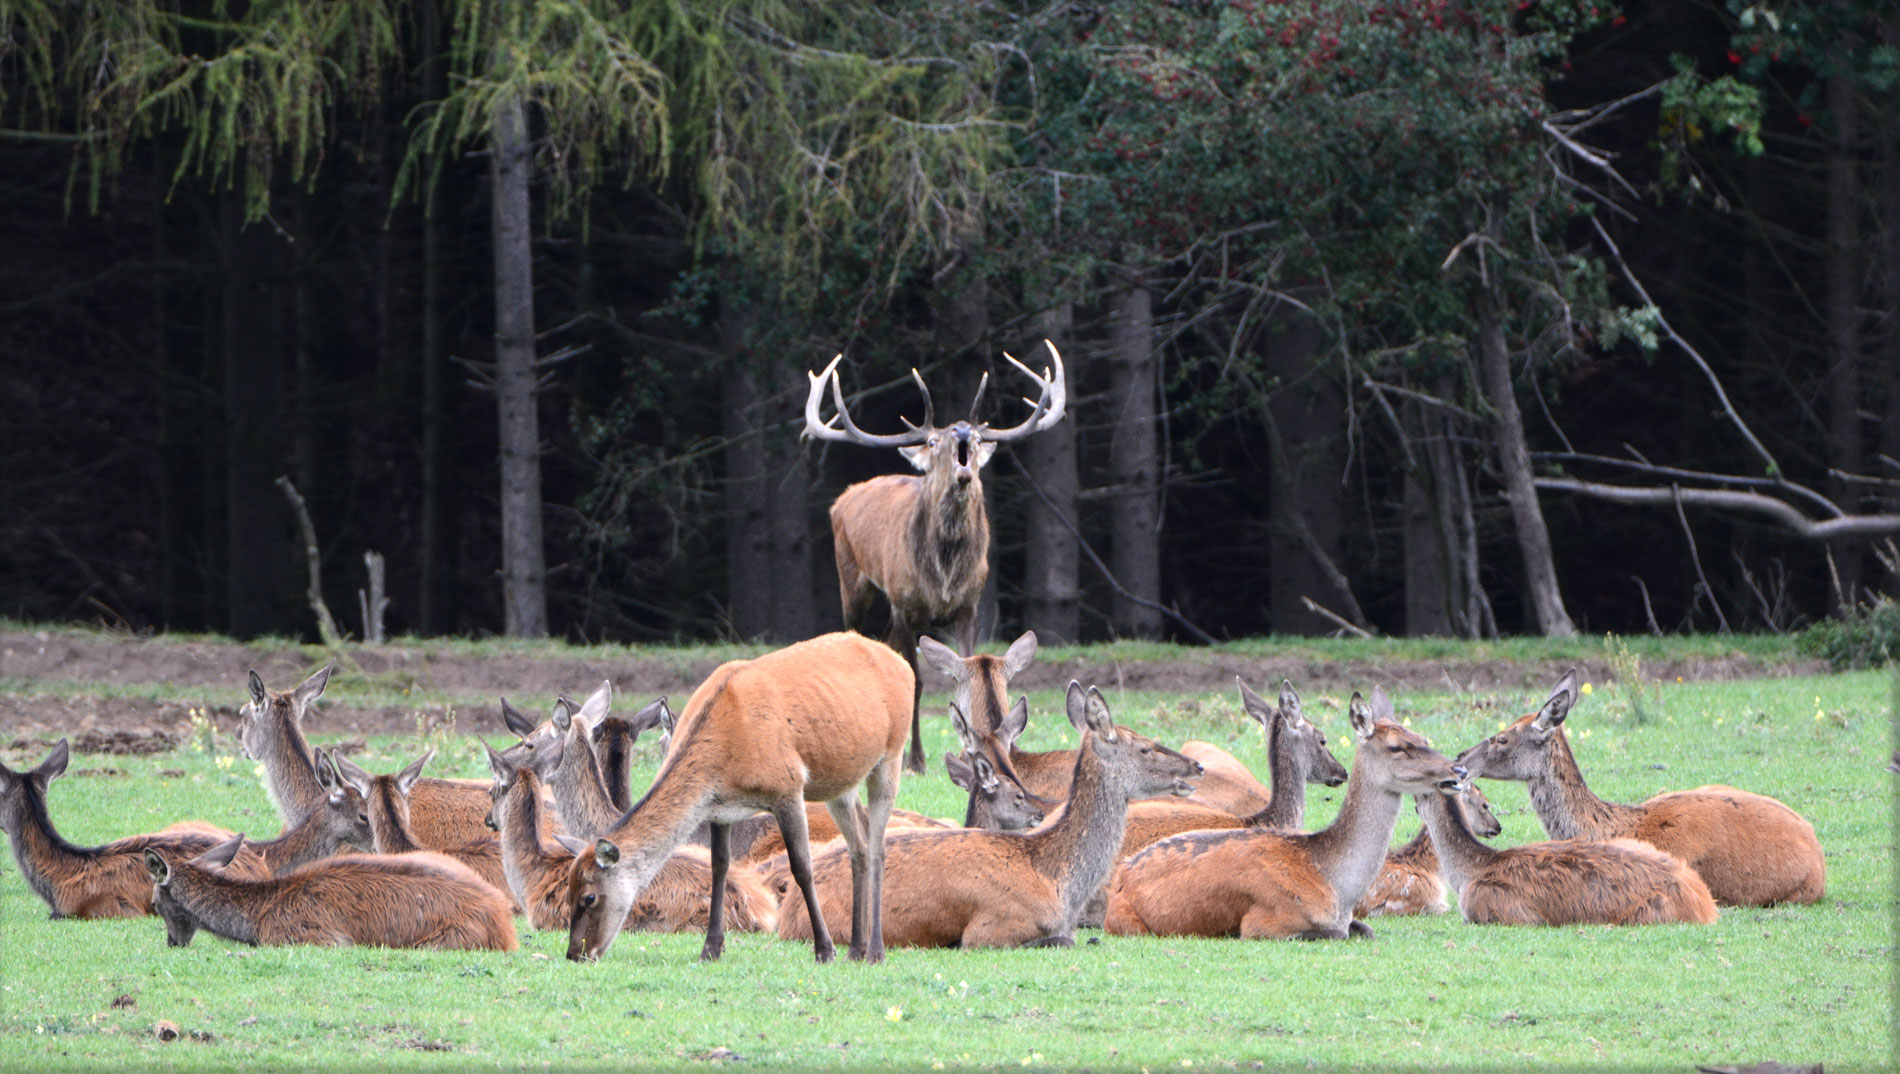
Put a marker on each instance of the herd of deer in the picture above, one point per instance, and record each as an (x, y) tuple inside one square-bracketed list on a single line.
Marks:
[(1121, 833)]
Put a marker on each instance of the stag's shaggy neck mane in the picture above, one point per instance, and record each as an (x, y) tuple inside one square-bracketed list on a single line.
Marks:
[(212, 901), (950, 538), (1566, 806)]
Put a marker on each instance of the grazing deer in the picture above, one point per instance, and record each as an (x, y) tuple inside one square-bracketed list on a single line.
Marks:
[(387, 799), (537, 874), (972, 888), (1258, 883), (1412, 882), (448, 812), (1751, 850), (408, 900), (87, 882), (805, 723), (1569, 882), (924, 542)]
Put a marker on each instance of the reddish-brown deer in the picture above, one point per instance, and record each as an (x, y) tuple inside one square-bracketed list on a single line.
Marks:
[(408, 900), (448, 812), (341, 824), (1413, 882), (88, 882), (1750, 849), (1259, 883), (924, 542), (387, 798), (808, 722), (1569, 882), (972, 888), (995, 803)]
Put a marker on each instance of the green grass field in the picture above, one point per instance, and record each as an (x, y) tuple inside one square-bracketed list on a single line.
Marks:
[(1800, 983)]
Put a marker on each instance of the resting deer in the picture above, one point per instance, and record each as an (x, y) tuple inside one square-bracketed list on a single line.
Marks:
[(924, 542), (995, 803), (448, 812), (1259, 883), (1413, 882), (410, 900), (1750, 849), (342, 823), (971, 888), (537, 874), (805, 723), (387, 799), (87, 882), (1569, 882)]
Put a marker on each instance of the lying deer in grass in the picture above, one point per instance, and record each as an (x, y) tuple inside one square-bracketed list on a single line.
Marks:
[(995, 803), (448, 812), (924, 542), (409, 900), (341, 824), (1260, 883), (1750, 849), (1413, 881), (970, 888), (805, 723), (1569, 882), (387, 799), (87, 882), (537, 874)]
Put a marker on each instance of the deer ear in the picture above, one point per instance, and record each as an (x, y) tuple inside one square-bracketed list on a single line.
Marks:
[(985, 774), (562, 714), (325, 777), (981, 456), (648, 717), (959, 769), (516, 720), (155, 865), (598, 703), (573, 846), (1021, 653), (406, 779), (606, 854), (942, 659), (221, 855), (55, 764), (1255, 705), (257, 690), (1558, 705), (312, 687), (352, 775), (498, 764), (1362, 720), (1290, 701), (917, 454), (966, 734), (552, 754), (1088, 711), (1014, 721), (1381, 705)]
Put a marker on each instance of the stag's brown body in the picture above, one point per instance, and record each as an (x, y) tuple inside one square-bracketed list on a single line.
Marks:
[(1750, 849), (420, 900)]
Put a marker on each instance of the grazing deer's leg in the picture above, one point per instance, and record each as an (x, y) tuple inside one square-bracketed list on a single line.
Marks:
[(791, 826), (719, 842), (1359, 929), (850, 823), (880, 790)]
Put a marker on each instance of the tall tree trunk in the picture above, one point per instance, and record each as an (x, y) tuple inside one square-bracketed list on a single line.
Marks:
[(1134, 462), (1843, 332), (788, 487), (437, 597), (1306, 430), (1429, 562), (523, 567), (1052, 590), (1527, 515), (258, 537)]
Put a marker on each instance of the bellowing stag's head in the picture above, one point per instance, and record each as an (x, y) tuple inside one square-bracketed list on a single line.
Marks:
[(944, 453)]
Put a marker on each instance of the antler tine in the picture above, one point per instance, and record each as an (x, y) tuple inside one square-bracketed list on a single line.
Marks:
[(815, 426), (856, 435), (845, 431), (1048, 407), (976, 405), (930, 409)]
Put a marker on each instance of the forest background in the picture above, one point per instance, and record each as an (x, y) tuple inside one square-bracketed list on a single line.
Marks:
[(1447, 317)]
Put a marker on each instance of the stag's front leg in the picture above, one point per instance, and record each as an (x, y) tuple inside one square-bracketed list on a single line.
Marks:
[(963, 627), (904, 640)]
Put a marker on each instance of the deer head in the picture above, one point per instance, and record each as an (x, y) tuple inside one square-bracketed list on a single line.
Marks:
[(1522, 750)]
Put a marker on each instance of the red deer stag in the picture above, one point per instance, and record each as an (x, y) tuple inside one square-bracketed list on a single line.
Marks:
[(1750, 849), (924, 542), (387, 799), (448, 812), (410, 900), (972, 888), (1262, 884), (1569, 882), (805, 723), (88, 882)]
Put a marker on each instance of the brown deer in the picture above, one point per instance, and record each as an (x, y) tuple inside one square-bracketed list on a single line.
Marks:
[(408, 900), (613, 740), (1412, 882), (805, 723), (972, 888), (924, 542), (995, 803), (1751, 850), (1569, 882), (387, 799), (88, 882), (448, 812), (537, 874), (1259, 883), (342, 823)]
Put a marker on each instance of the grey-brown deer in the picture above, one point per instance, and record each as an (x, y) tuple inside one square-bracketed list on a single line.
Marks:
[(924, 542), (387, 800), (1750, 849), (972, 888)]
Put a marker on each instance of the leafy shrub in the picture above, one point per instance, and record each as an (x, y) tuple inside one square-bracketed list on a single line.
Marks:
[(1868, 637)]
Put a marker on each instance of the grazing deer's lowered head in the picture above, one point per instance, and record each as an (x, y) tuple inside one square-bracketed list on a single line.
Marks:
[(922, 541)]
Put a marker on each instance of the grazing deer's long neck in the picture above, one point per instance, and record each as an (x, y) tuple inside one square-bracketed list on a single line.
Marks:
[(1350, 852), (1287, 806), (1460, 855), (389, 819), (290, 776), (1077, 850), (1565, 804), (661, 820), (216, 902), (580, 793), (41, 852)]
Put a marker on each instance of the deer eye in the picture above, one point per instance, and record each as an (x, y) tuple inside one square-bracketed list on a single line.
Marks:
[(589, 900)]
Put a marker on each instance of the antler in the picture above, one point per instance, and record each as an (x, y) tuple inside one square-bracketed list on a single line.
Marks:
[(1049, 406), (850, 433)]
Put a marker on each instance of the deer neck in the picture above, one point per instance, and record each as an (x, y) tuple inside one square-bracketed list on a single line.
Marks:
[(522, 853), (1460, 855), (299, 844), (1565, 804), (1418, 852), (42, 853), (1286, 808), (580, 793), (1077, 849), (1350, 852), (389, 819), (950, 536), (290, 776), (660, 821), (616, 772), (217, 903)]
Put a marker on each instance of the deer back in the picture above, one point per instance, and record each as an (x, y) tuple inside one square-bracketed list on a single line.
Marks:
[(1571, 882)]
